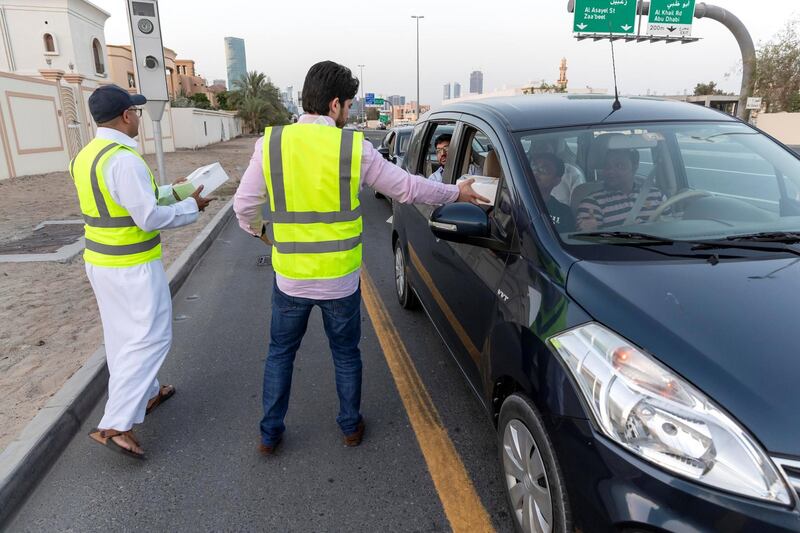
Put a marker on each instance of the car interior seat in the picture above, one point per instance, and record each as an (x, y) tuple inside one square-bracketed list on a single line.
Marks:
[(491, 166)]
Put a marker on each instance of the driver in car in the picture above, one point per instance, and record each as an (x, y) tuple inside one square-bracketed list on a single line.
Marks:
[(614, 205), (442, 145)]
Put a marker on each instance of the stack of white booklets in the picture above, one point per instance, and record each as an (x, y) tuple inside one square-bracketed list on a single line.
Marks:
[(486, 186), (211, 177)]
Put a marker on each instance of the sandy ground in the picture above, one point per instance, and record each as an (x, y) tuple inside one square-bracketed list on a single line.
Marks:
[(49, 323)]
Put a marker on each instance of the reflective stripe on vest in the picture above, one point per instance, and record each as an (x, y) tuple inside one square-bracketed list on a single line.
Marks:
[(313, 173), (112, 237)]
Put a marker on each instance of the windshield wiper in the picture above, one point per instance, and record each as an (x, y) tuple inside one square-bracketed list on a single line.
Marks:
[(765, 242), (784, 237), (645, 240), (637, 238)]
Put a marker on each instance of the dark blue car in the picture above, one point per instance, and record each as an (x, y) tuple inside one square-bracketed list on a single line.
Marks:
[(625, 308)]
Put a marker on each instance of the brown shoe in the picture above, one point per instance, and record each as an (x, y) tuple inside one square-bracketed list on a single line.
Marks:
[(354, 439), (265, 450)]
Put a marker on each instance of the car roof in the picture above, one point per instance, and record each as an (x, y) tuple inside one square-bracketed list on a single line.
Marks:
[(544, 111), (402, 129)]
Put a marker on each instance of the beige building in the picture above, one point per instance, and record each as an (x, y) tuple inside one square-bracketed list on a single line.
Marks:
[(407, 113)]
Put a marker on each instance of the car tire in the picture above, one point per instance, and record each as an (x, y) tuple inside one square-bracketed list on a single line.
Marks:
[(535, 490), (405, 295)]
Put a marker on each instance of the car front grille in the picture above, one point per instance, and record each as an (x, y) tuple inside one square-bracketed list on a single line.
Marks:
[(791, 469)]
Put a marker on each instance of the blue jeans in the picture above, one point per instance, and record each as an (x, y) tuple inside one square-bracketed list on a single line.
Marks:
[(342, 320)]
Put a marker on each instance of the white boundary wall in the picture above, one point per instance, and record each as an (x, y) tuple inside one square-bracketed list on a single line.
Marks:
[(783, 126), (44, 123), (195, 128), (32, 131)]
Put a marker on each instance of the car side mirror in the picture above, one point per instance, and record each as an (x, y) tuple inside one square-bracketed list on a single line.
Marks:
[(467, 224), (459, 222), (384, 151)]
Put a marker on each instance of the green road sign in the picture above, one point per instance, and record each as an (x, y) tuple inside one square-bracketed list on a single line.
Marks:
[(385, 119), (605, 16), (379, 101), (671, 18)]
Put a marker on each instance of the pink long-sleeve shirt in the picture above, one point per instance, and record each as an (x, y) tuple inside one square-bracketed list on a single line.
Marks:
[(376, 172)]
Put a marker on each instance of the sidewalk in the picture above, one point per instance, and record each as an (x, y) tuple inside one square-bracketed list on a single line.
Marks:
[(49, 324)]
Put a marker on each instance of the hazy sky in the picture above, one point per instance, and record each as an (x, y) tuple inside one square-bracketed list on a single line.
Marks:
[(511, 41)]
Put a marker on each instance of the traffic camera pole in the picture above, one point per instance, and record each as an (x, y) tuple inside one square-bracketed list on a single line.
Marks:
[(743, 38)]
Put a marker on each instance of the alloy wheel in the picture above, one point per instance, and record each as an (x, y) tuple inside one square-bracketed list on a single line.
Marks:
[(399, 272), (526, 479)]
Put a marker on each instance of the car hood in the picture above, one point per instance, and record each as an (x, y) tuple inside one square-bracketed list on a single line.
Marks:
[(732, 329)]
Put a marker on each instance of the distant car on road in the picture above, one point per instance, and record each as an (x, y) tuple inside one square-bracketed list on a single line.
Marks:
[(641, 369), (393, 147)]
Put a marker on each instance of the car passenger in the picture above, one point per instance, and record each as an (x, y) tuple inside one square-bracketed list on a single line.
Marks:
[(548, 170), (442, 145), (572, 177), (612, 205)]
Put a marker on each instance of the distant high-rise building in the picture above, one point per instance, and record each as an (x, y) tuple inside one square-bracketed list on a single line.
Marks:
[(446, 92), (456, 90), (235, 59), (476, 82), (220, 82), (396, 99)]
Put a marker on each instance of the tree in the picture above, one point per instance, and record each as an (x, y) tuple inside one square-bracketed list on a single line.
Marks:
[(224, 101), (258, 102), (200, 101), (705, 89), (778, 69)]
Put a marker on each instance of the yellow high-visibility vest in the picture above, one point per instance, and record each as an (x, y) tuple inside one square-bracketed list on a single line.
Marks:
[(313, 173), (112, 237)]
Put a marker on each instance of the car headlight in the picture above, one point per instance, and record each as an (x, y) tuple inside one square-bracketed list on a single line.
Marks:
[(642, 405)]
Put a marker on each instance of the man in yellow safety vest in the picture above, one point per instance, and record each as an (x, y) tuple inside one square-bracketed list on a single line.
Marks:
[(123, 211), (310, 175)]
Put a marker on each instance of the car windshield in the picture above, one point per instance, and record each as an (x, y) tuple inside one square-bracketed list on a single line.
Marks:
[(675, 182)]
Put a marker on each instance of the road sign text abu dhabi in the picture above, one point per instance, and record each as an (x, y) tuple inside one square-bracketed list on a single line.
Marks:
[(605, 16), (670, 18)]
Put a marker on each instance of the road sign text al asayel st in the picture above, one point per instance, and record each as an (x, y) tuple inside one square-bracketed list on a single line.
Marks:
[(605, 16), (670, 18)]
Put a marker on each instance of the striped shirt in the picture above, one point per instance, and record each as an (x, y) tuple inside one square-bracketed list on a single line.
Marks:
[(606, 208)]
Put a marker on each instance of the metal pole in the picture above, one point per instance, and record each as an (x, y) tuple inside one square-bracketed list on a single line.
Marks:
[(743, 38), (417, 17), (363, 105), (162, 172)]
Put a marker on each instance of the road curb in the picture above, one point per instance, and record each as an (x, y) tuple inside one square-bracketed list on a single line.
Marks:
[(28, 457)]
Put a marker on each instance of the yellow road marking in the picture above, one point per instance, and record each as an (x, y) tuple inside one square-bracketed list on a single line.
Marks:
[(463, 336), (462, 506)]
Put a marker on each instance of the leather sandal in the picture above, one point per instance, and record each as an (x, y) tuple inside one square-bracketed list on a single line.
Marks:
[(164, 393), (105, 437)]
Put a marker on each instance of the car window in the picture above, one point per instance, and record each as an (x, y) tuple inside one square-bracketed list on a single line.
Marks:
[(403, 138), (390, 144), (412, 163), (437, 151), (693, 181), (487, 170)]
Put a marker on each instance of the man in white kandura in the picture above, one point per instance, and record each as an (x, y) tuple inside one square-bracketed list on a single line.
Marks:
[(123, 211)]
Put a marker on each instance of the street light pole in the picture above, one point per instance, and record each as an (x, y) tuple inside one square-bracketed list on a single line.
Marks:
[(417, 17), (363, 105)]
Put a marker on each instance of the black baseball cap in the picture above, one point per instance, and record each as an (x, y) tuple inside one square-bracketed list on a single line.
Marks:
[(108, 102)]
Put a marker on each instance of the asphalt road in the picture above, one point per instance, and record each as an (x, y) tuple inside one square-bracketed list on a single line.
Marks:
[(203, 472)]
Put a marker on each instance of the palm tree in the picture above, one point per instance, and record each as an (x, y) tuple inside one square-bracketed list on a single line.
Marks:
[(252, 85), (258, 101)]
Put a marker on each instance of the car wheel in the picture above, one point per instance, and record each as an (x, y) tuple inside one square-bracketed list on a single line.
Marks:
[(534, 485), (405, 296)]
